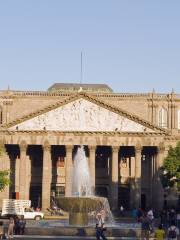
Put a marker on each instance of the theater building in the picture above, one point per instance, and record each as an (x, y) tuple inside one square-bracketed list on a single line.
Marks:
[(126, 137)]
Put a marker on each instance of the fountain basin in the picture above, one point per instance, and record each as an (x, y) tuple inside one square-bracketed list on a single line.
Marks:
[(78, 218), (79, 207), (56, 228)]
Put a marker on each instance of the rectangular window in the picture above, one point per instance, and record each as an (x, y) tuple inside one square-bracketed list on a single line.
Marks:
[(163, 117), (60, 191)]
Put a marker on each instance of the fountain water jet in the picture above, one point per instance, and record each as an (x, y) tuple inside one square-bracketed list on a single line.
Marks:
[(82, 201), (81, 177)]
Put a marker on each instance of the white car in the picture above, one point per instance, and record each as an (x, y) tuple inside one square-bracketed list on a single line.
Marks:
[(31, 214)]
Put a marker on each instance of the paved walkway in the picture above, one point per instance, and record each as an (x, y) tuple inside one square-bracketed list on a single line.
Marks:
[(28, 237)]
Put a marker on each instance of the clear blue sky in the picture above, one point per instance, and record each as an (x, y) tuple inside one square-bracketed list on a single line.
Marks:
[(133, 46)]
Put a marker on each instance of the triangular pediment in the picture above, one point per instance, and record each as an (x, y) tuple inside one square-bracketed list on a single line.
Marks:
[(83, 114)]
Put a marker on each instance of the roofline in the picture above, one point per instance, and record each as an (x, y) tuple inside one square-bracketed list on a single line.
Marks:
[(11, 94)]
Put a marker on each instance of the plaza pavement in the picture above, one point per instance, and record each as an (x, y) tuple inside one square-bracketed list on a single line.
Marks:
[(34, 237)]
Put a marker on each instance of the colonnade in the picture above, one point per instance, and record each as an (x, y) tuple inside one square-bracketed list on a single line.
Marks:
[(25, 171), (47, 173)]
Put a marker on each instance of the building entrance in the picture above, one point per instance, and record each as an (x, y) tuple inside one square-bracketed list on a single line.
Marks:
[(35, 196)]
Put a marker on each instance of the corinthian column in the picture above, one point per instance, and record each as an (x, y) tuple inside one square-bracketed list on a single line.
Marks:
[(46, 176), (92, 167), (68, 166), (137, 196), (115, 177), (23, 171)]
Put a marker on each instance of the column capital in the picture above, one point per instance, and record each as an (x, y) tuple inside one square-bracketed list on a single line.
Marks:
[(161, 148), (115, 148), (46, 146), (155, 105), (23, 146), (69, 147), (152, 105), (138, 148), (92, 148)]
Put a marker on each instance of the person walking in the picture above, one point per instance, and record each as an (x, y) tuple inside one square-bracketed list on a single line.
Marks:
[(139, 215), (160, 233), (150, 217), (145, 227), (173, 231), (10, 228), (172, 216), (164, 218), (100, 227), (178, 219)]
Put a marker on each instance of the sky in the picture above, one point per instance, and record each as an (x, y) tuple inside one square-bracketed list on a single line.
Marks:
[(131, 45)]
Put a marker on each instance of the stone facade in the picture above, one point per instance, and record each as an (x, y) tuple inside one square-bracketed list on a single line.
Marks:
[(126, 138)]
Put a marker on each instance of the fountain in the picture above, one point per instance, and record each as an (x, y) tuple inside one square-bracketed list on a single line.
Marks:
[(80, 205), (82, 202)]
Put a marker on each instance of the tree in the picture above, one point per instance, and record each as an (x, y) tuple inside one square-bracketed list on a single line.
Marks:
[(2, 149), (170, 172), (4, 179), (4, 174)]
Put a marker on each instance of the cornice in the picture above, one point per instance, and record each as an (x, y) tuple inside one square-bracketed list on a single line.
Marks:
[(14, 94), (80, 133), (151, 96)]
